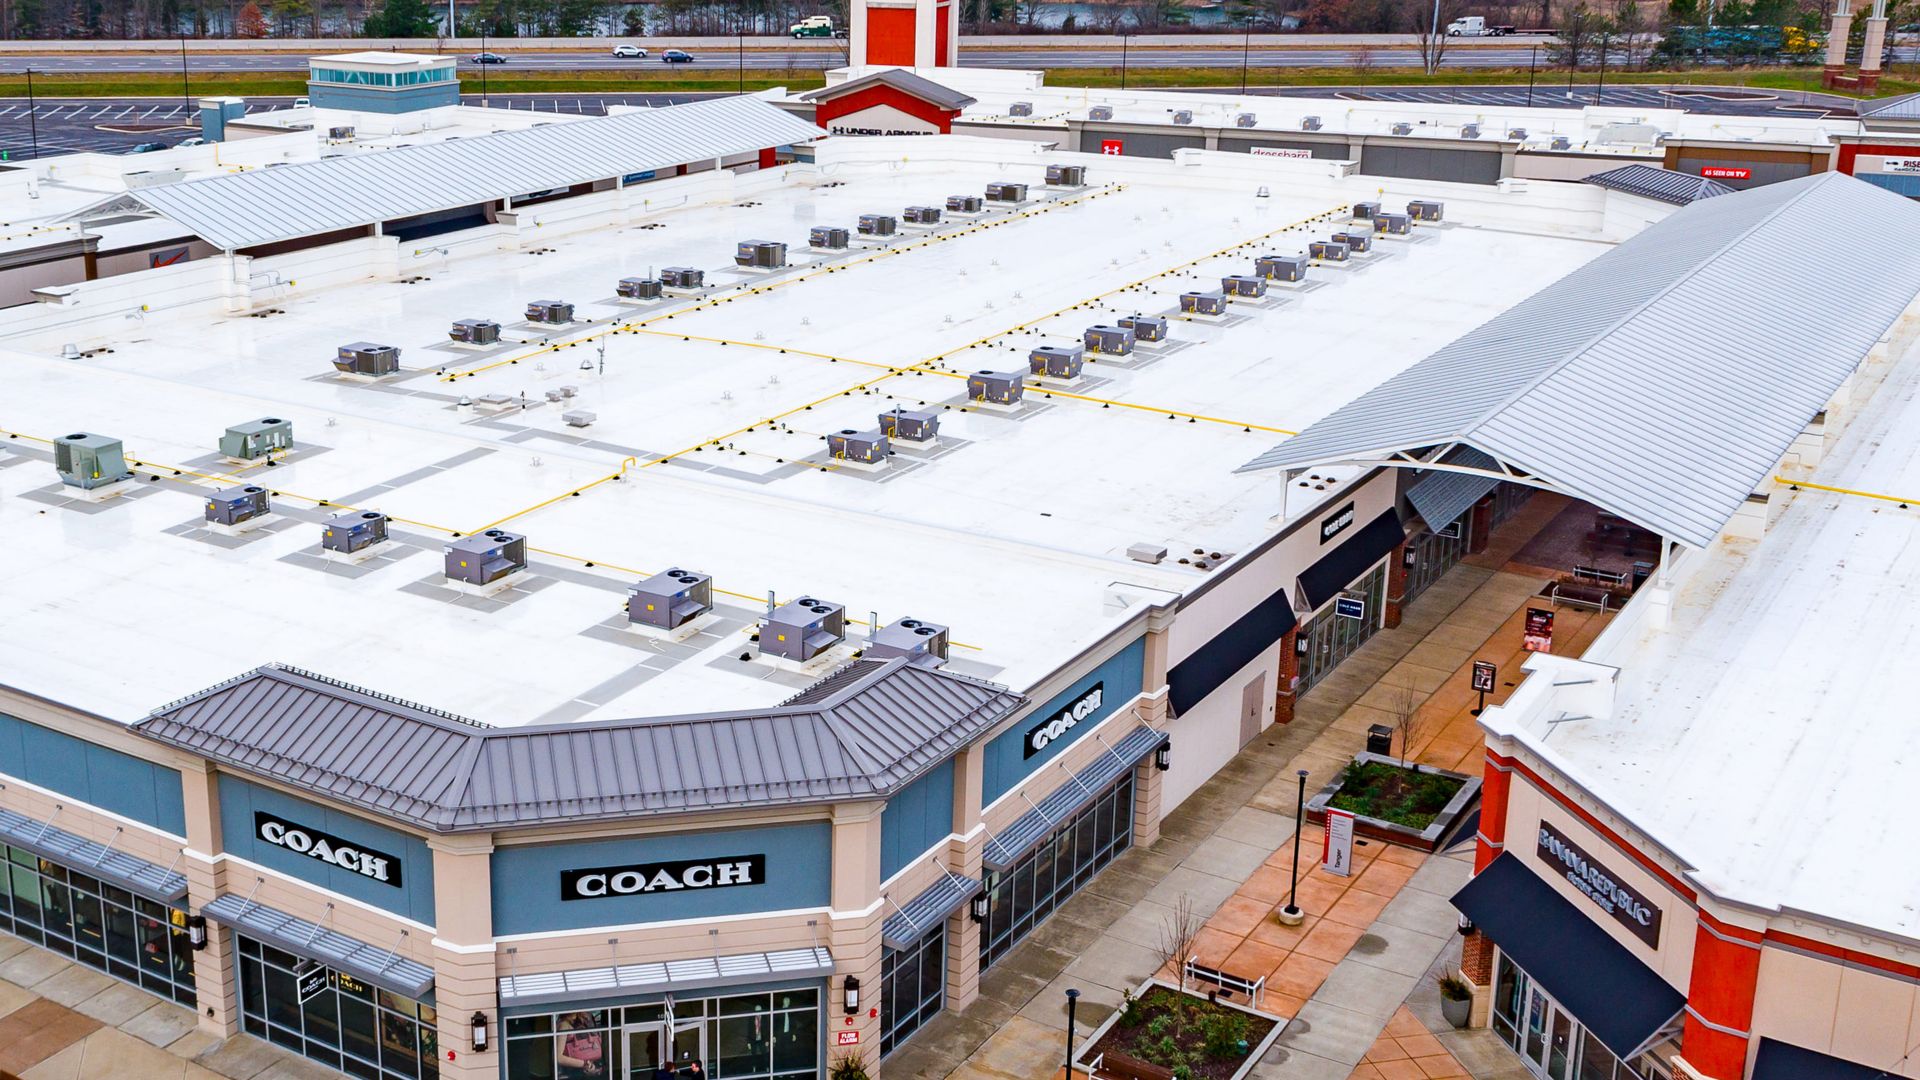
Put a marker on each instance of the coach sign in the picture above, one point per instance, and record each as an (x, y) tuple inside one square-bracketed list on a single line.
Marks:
[(328, 848), (593, 883), (1616, 898), (1055, 725)]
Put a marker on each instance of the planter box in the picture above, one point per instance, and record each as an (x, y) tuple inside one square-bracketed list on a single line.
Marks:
[(1084, 1054), (1427, 839)]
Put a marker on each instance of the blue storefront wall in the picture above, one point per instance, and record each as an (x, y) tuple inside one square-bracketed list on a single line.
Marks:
[(118, 783), (1006, 763), (412, 898), (526, 880), (917, 818)]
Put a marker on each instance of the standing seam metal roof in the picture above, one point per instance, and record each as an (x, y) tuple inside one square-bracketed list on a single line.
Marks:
[(1904, 107), (1653, 182), (267, 205), (1665, 379), (862, 732), (900, 79)]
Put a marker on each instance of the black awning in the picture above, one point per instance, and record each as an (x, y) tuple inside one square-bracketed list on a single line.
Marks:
[(1337, 568), (1621, 1000), (1193, 678), (1785, 1061)]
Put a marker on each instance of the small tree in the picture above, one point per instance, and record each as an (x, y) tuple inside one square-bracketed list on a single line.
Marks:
[(401, 19), (250, 23), (1430, 32), (1177, 931), (1409, 722)]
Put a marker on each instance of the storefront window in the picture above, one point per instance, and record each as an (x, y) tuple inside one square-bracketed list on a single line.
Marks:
[(345, 1024), (913, 986), (1431, 554), (1330, 637), (752, 1036), (1022, 896), (1555, 1044), (106, 928)]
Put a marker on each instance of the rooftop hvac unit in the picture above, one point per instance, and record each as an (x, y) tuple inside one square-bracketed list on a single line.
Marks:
[(827, 237), (1393, 224), (475, 331), (1426, 210), (1006, 192), (803, 629), (640, 288), (1183, 116), (340, 134), (1056, 361), (997, 387), (485, 558), (761, 254), (1365, 211), (1020, 108), (1281, 267), (1146, 327), (231, 506), (670, 599), (1561, 142), (1328, 250), (354, 530), (1066, 175), (366, 358), (89, 461), (1100, 112), (862, 447), (878, 225), (1115, 340), (1469, 131), (910, 425), (551, 312), (922, 215), (1244, 285), (963, 204), (1204, 303), (1517, 134), (1310, 123), (683, 277), (1402, 128), (1359, 243), (920, 642), (1246, 120), (257, 438), (579, 418)]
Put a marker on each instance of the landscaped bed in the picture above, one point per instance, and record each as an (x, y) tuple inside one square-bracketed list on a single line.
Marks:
[(1188, 1036), (1388, 792)]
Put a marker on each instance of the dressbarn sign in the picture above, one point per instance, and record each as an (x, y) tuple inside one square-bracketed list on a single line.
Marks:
[(1628, 907)]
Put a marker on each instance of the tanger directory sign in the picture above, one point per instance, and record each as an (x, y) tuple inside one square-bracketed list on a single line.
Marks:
[(634, 879), (1625, 904), (1337, 849)]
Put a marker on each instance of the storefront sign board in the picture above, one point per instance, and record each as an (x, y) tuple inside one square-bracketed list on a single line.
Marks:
[(1336, 523), (1054, 725), (1113, 147), (328, 848), (1627, 906), (1484, 674), (1338, 856), (313, 982), (1538, 636), (597, 882), (1350, 607), (1723, 172)]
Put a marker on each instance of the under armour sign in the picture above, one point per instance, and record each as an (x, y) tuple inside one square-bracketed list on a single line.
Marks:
[(594, 883), (335, 850), (1043, 734)]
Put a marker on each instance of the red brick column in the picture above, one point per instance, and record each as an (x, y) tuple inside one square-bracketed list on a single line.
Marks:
[(1289, 671), (1476, 959), (1720, 992), (1480, 526), (1396, 585)]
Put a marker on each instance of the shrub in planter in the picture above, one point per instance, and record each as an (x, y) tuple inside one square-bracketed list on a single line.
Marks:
[(848, 1066), (1456, 1000)]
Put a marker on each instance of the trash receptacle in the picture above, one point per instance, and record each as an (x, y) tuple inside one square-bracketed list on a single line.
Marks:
[(1380, 740)]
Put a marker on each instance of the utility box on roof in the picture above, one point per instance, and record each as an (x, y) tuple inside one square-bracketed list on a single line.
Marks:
[(353, 531), (1146, 327), (485, 558), (1560, 142), (922, 215), (89, 461), (802, 629), (910, 425), (257, 439), (1402, 128), (1246, 120), (1244, 285), (1100, 112), (1006, 192), (1114, 340), (878, 225), (475, 332), (1358, 242), (683, 277), (367, 358), (1426, 210), (550, 312), (1328, 250), (1067, 175), (1056, 362), (919, 641), (997, 387), (1204, 303), (760, 254), (640, 288), (827, 237), (1392, 224), (862, 447), (1183, 116), (963, 204), (1469, 131), (1020, 108), (670, 599), (1281, 267), (231, 506), (1365, 211), (1309, 123)]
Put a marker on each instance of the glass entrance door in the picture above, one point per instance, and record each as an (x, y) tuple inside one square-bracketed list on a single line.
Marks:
[(1549, 1037), (648, 1047)]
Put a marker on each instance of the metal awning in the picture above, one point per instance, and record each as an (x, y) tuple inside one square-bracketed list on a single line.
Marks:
[(1338, 568), (1784, 1061), (673, 975), (911, 921), (151, 880), (1440, 497), (383, 967), (1005, 848)]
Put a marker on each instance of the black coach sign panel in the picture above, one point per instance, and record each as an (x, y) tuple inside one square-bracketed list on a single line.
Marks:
[(1616, 898), (1336, 523), (1055, 725), (328, 848), (593, 883)]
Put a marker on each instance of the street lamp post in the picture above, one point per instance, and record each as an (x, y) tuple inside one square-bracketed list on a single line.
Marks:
[(1073, 999), (186, 98), (1533, 61), (484, 102), (33, 122), (1246, 51), (1123, 58), (1432, 58), (740, 49), (1600, 91), (1291, 915)]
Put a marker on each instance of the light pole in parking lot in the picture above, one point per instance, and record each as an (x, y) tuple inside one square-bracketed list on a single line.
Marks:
[(483, 70), (1533, 62), (1246, 50), (1123, 58), (33, 122), (186, 98)]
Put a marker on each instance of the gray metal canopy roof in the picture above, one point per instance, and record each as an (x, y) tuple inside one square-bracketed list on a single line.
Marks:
[(864, 732), (268, 205), (1653, 182), (1665, 379), (1904, 107), (900, 79)]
